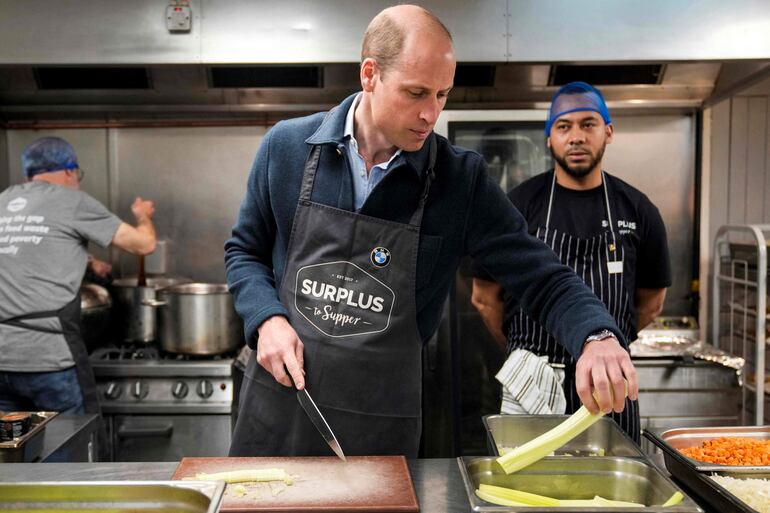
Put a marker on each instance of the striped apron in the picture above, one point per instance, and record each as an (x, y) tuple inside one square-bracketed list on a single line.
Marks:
[(598, 261)]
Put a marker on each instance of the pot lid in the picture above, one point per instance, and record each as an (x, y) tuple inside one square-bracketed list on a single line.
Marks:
[(155, 282), (197, 289)]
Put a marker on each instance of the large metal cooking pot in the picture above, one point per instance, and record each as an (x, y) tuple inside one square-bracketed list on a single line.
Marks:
[(95, 304), (198, 319), (134, 320)]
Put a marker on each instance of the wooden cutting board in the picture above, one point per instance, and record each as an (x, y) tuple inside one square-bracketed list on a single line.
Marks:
[(321, 484)]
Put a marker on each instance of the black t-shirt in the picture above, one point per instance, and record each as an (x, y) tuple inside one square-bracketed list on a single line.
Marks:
[(584, 214)]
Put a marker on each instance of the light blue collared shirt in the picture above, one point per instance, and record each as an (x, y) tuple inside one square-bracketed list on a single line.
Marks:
[(362, 184)]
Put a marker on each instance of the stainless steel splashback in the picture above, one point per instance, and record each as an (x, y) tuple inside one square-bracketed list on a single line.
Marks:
[(197, 177)]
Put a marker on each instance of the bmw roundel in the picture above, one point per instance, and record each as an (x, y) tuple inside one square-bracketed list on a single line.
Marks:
[(380, 257)]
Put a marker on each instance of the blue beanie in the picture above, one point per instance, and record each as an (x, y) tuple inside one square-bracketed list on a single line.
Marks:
[(46, 155), (574, 97)]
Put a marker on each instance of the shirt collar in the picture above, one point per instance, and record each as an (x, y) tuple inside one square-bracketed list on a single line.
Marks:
[(333, 129), (350, 135)]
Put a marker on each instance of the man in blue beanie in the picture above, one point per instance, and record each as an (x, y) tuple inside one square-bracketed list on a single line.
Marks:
[(46, 224), (607, 231)]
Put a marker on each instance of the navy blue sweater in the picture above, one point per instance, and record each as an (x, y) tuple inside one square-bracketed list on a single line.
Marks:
[(466, 214)]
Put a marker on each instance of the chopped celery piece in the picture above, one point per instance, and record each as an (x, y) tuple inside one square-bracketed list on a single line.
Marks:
[(239, 490), (674, 499), (242, 476), (601, 501), (509, 497), (539, 447), (576, 503), (530, 499), (494, 499)]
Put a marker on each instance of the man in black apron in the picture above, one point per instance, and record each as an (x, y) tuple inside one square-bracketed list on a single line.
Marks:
[(45, 226), (603, 228), (346, 246)]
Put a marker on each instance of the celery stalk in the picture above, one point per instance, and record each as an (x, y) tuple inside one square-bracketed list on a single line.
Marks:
[(494, 499), (674, 500), (601, 501), (530, 499), (510, 497), (242, 476), (539, 447)]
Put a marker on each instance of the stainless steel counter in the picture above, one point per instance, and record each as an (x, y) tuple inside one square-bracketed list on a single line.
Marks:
[(437, 482), (70, 438)]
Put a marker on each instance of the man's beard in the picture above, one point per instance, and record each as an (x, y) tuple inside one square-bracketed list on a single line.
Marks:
[(581, 170)]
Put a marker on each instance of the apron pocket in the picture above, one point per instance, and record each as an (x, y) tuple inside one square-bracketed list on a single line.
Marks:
[(368, 381)]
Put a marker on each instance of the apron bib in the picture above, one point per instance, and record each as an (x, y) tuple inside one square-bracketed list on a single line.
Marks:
[(349, 289), (598, 261)]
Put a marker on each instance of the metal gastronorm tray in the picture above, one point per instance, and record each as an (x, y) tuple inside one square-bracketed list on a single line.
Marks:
[(578, 477), (515, 430), (673, 440), (28, 446), (696, 476), (113, 496)]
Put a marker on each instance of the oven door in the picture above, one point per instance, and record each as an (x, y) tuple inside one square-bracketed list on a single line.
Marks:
[(168, 437)]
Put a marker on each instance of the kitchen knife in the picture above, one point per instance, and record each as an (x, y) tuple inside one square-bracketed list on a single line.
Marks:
[(317, 419)]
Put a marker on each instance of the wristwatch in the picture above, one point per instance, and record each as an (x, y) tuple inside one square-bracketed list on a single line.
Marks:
[(599, 335)]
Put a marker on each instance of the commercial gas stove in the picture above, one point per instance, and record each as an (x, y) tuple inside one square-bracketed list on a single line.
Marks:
[(160, 406)]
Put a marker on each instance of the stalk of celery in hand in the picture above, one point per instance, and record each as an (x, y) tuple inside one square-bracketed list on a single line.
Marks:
[(541, 446)]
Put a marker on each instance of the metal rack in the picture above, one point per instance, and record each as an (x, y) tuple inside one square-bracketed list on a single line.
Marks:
[(739, 300)]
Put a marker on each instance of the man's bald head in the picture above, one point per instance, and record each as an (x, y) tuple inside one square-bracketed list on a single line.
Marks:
[(386, 34)]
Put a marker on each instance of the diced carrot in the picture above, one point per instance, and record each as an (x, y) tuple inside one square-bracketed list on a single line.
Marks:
[(731, 451)]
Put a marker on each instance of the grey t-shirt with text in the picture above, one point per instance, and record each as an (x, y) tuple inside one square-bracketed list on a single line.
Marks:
[(44, 234)]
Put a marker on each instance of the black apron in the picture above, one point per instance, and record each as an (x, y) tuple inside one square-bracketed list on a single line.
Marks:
[(69, 318), (598, 261), (349, 287)]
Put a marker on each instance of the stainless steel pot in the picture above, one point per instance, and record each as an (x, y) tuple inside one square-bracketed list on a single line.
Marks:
[(133, 318), (198, 319)]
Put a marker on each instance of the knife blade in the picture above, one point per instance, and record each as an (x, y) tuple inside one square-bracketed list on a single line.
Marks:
[(319, 422)]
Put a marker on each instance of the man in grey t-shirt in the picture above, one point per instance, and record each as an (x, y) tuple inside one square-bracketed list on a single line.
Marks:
[(46, 224)]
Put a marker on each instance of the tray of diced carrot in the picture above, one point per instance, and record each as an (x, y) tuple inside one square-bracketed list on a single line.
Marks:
[(733, 448), (698, 457)]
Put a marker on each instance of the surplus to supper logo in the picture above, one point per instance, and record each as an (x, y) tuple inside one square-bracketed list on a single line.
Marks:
[(341, 300)]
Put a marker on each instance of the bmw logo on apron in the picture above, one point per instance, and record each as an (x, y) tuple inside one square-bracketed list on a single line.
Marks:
[(380, 257)]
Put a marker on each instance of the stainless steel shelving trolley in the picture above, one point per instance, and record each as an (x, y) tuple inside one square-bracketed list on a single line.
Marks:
[(739, 308)]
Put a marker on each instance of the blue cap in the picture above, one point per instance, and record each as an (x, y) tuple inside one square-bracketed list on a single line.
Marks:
[(48, 154), (574, 97)]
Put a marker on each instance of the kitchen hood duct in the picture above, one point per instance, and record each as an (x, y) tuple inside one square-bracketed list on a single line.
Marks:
[(599, 75), (266, 76), (73, 78), (474, 75)]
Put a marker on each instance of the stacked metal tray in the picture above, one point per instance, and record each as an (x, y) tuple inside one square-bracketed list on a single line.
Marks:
[(28, 446), (601, 461), (695, 474), (113, 496), (576, 477), (604, 438)]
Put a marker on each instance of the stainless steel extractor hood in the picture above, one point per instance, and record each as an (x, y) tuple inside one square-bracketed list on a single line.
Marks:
[(158, 92), (247, 60)]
